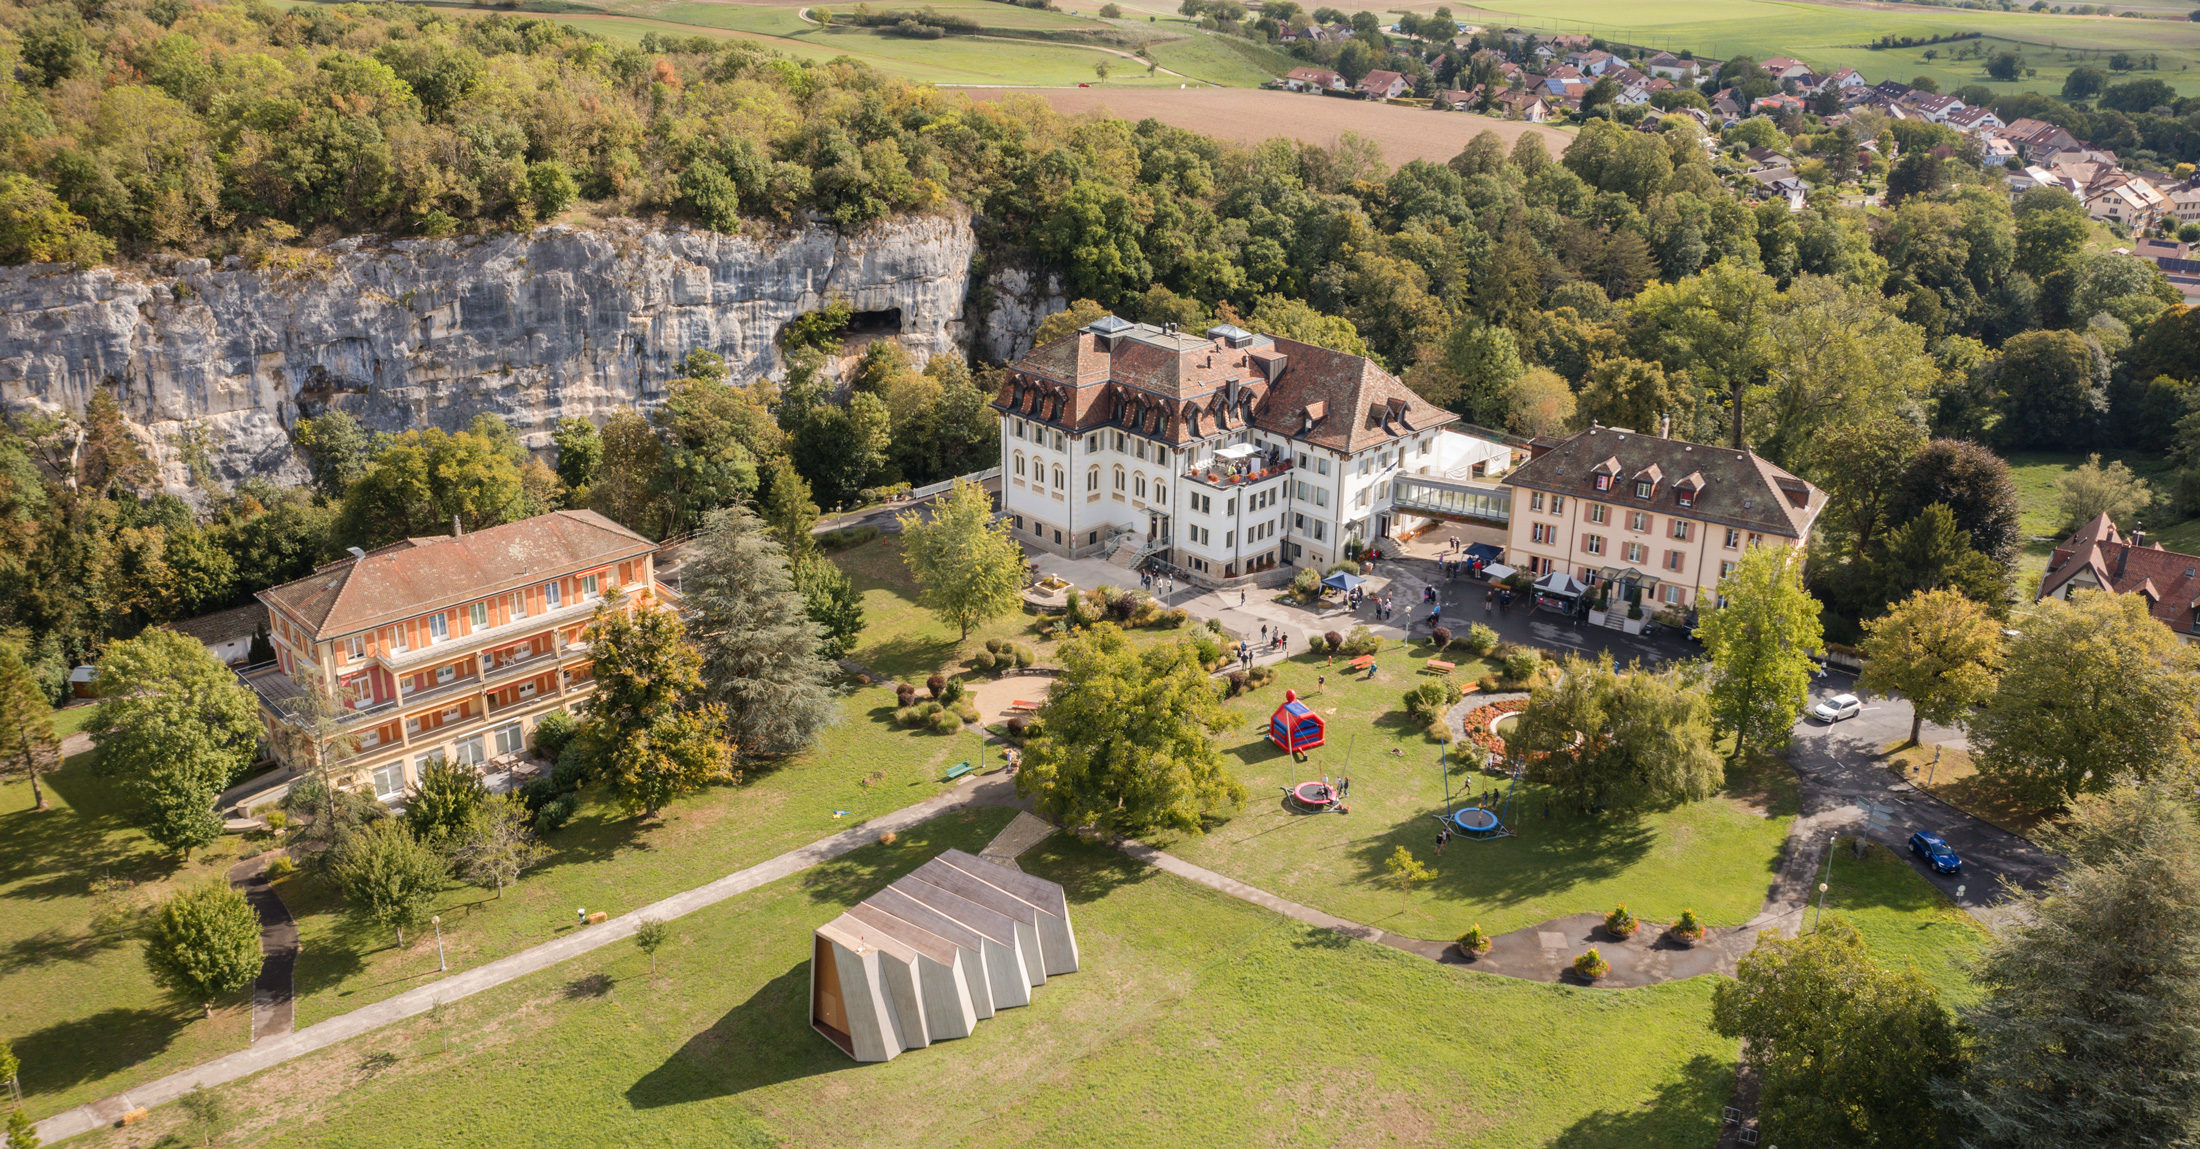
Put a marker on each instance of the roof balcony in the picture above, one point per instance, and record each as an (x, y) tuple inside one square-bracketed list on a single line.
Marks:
[(1238, 467)]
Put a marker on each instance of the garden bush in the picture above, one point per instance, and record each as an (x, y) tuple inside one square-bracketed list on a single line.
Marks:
[(1362, 641), (555, 814), (1306, 585), (936, 684), (983, 660), (909, 716), (1489, 683), (1430, 699), (1481, 639), (281, 868), (1689, 927), (1335, 640), (1016, 727), (1025, 655), (1621, 924), (1474, 941), (995, 645), (1237, 683), (1178, 616), (1522, 665), (966, 710), (946, 722), (905, 694), (953, 691), (1591, 964), (1124, 606), (553, 731), (847, 537), (1149, 613), (276, 819), (1260, 676), (571, 772), (1440, 637), (538, 792)]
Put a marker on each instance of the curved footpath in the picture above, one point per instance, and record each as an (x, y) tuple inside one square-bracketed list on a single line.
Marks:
[(273, 1012), (1834, 766)]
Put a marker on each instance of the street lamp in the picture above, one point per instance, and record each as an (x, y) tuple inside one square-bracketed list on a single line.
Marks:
[(440, 965), (1820, 915)]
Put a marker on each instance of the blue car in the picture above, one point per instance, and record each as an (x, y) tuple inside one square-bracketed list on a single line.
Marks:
[(1936, 853)]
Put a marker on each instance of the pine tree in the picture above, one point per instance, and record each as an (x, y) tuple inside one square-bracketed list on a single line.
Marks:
[(833, 604), (967, 568), (204, 942), (759, 647), (1761, 643), (27, 744), (788, 511)]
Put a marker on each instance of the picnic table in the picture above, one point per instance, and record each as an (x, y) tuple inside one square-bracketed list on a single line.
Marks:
[(1020, 704), (1363, 662), (1439, 666)]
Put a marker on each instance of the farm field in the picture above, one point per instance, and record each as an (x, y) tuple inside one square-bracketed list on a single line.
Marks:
[(1196, 1020), (1830, 35), (1250, 117)]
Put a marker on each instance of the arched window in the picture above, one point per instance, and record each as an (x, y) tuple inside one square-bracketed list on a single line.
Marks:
[(1139, 486), (1059, 485), (1119, 479), (1019, 464), (1160, 494), (1092, 479)]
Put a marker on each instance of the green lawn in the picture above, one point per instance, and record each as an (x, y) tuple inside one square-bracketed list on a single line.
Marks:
[(79, 1007), (2040, 514), (1905, 918), (1715, 857), (1196, 1020), (1828, 36), (1227, 61)]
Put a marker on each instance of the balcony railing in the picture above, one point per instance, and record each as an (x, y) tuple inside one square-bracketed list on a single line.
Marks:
[(489, 635), (1216, 473)]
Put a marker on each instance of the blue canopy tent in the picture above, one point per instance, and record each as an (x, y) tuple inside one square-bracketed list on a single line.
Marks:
[(1487, 552), (1345, 581)]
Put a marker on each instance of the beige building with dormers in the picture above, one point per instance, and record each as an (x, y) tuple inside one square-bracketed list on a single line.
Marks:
[(1610, 504), (450, 647)]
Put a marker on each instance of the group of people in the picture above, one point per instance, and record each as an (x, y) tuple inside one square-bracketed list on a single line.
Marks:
[(1163, 585), (1274, 639)]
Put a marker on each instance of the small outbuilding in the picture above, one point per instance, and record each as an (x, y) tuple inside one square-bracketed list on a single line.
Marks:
[(931, 955), (1294, 727)]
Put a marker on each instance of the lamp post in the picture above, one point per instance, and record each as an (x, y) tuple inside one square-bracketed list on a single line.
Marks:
[(1820, 915), (441, 966)]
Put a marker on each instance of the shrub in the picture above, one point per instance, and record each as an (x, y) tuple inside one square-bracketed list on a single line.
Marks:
[(1489, 683), (995, 645), (946, 722), (1260, 676), (1148, 613), (553, 731), (1474, 941), (1178, 616), (276, 819), (1335, 640), (1441, 637), (1430, 700), (1025, 656), (909, 716), (966, 710), (983, 660), (953, 691), (1591, 964), (538, 792), (1521, 665), (847, 537), (554, 814), (1688, 926), (936, 684), (1124, 605), (1481, 639), (281, 868), (888, 838), (1306, 585), (1016, 727), (905, 694), (1621, 924), (1237, 683), (571, 771), (1361, 641)]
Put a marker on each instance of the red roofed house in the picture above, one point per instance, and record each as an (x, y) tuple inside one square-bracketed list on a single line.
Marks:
[(1382, 85), (449, 647), (1313, 80), (1223, 454), (2096, 557)]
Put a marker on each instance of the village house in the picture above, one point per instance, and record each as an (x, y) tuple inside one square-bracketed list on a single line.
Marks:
[(2038, 141), (1382, 85), (1668, 517), (1934, 108), (1223, 454), (2097, 557), (445, 648), (1313, 80), (1981, 122), (1783, 68), (1671, 67), (1524, 105), (1452, 99)]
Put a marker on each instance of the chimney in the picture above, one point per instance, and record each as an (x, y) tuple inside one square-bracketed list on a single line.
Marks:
[(1665, 426), (456, 528), (2138, 536)]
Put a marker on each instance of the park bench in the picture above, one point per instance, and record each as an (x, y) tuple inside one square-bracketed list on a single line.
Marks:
[(960, 770), (1020, 704), (1439, 666), (1363, 662)]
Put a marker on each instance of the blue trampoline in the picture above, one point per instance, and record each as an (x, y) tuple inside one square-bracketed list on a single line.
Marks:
[(1478, 822)]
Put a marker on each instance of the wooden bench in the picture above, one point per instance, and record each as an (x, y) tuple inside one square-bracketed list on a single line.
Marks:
[(960, 770), (1363, 662), (1020, 704), (1439, 666)]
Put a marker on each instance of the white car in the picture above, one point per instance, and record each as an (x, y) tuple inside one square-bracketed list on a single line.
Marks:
[(1836, 708)]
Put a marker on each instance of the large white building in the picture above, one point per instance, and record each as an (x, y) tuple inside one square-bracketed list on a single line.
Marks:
[(1225, 454)]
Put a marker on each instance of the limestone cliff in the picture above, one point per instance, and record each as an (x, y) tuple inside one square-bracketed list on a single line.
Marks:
[(537, 326)]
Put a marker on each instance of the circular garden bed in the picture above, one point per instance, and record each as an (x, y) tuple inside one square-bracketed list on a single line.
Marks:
[(1481, 724)]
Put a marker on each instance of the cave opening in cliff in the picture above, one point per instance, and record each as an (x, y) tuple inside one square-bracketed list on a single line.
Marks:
[(887, 322)]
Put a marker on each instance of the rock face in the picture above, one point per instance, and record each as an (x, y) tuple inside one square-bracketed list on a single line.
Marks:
[(217, 364)]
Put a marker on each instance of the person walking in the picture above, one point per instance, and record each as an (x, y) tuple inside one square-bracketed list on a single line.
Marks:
[(1321, 683), (1264, 632), (1241, 598), (1442, 836)]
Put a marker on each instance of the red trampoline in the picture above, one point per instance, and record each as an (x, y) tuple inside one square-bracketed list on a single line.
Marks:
[(1314, 795)]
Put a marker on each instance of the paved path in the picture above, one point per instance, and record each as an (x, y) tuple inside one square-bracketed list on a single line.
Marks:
[(1026, 831), (988, 790), (273, 1010)]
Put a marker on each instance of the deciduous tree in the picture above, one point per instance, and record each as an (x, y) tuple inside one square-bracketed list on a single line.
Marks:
[(1973, 482), (1619, 741), (420, 480), (2096, 693), (174, 724), (2089, 490), (761, 652), (28, 747), (1938, 649), (388, 876), (1761, 643), (1126, 739), (644, 734), (497, 845), (967, 568), (203, 943), (1848, 1052)]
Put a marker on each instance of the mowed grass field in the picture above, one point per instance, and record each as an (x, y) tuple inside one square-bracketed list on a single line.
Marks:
[(1195, 1020), (1831, 35)]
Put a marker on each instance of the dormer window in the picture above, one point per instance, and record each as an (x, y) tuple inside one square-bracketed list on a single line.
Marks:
[(1688, 498), (1642, 488), (1604, 482)]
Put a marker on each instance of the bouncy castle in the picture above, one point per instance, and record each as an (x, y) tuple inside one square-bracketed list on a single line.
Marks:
[(1294, 726)]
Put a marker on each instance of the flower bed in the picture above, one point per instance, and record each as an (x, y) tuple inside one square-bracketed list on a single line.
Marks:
[(1481, 718)]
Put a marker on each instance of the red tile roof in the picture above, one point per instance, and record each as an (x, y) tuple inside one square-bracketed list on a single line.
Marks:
[(1744, 490), (417, 575), (1179, 388), (2096, 556)]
